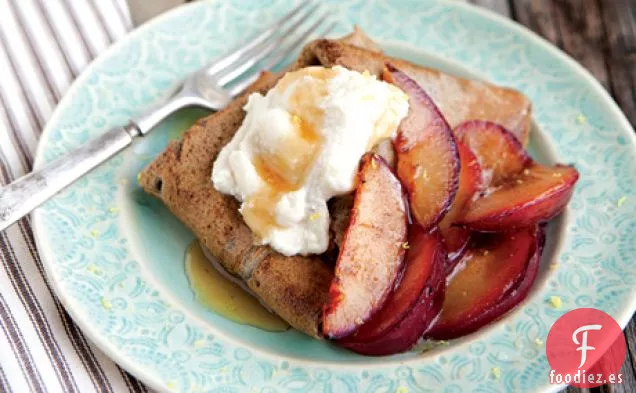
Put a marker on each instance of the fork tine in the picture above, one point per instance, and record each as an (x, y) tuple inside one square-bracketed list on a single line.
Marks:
[(281, 54), (257, 54), (244, 47)]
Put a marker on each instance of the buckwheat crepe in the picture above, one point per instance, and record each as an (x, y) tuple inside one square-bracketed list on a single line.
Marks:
[(296, 287)]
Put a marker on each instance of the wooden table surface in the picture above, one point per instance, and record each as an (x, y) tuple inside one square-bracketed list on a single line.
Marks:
[(601, 35)]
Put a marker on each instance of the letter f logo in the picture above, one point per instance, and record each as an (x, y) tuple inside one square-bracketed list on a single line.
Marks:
[(584, 347)]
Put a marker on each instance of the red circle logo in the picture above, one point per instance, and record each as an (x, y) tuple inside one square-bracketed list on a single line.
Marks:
[(585, 348)]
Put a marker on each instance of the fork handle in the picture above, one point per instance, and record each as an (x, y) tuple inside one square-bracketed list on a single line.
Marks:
[(28, 192)]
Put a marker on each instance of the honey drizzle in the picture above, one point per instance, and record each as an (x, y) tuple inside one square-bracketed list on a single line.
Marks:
[(286, 169), (225, 297)]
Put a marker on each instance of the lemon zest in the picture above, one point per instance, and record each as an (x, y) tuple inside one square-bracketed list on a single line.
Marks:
[(580, 119), (621, 201), (106, 303), (555, 301)]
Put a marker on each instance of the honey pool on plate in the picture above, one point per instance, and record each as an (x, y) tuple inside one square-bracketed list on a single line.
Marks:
[(224, 297)]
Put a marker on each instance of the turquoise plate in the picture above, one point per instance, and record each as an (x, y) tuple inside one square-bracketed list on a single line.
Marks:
[(115, 256)]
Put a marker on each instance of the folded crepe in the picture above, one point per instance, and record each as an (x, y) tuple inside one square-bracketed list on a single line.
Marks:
[(296, 288)]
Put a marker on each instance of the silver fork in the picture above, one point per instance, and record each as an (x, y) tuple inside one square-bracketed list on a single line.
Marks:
[(211, 87)]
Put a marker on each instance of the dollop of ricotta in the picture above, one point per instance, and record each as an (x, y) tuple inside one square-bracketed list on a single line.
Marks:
[(299, 146)]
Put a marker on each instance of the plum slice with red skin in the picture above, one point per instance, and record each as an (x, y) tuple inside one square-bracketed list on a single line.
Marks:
[(499, 153), (535, 195), (516, 294), (372, 253), (456, 238), (427, 157), (425, 252), (518, 192), (414, 305), (493, 276)]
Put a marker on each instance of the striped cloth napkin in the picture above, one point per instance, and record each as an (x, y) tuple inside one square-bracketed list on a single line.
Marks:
[(44, 44)]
